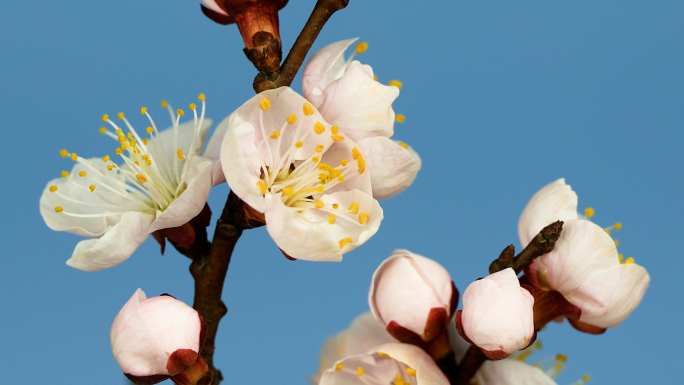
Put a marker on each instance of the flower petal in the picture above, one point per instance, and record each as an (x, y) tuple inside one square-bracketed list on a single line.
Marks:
[(167, 142), (211, 4), (392, 167), (511, 372), (555, 201), (427, 372), (175, 324), (213, 152), (115, 246), (325, 66), (360, 106)]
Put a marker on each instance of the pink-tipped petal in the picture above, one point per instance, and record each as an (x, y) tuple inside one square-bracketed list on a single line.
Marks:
[(324, 66)]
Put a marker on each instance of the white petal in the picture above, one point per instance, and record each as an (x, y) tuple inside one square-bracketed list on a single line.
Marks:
[(186, 131), (325, 66), (115, 246), (191, 201), (555, 201), (392, 167), (172, 323), (427, 372), (308, 235), (211, 4), (366, 369), (360, 106), (512, 372), (213, 151)]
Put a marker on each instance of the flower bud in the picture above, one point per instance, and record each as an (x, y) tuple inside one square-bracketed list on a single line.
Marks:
[(158, 338), (497, 315), (412, 296)]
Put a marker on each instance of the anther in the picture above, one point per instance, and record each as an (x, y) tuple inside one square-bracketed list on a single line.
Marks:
[(105, 117), (118, 151), (121, 139), (288, 191), (192, 106), (354, 208), (319, 128), (145, 141), (319, 148), (133, 142), (105, 158), (363, 218), (124, 146), (336, 205), (359, 371), (616, 242), (63, 153), (400, 118), (402, 144), (315, 159), (411, 372), (103, 130), (180, 112), (344, 162), (617, 226), (589, 212), (308, 111), (201, 97), (53, 188), (275, 135), (65, 174), (143, 110), (264, 104), (120, 115), (318, 203), (362, 164), (337, 138), (148, 161), (82, 174), (395, 83), (74, 157), (629, 260), (585, 378), (141, 178), (149, 130), (129, 135), (180, 154), (620, 257), (299, 144), (335, 130), (92, 188), (331, 219), (339, 366), (164, 103), (262, 187), (59, 209), (110, 167), (561, 358), (361, 47), (292, 119)]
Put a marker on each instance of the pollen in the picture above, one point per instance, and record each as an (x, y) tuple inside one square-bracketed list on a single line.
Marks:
[(180, 154), (121, 139), (359, 371), (299, 144), (589, 212), (288, 191), (74, 156), (53, 188), (59, 209), (335, 130), (319, 148), (400, 118), (110, 167), (149, 130), (362, 164), (92, 188), (192, 106), (143, 110), (275, 135), (105, 117), (145, 141), (354, 208), (337, 138), (264, 104), (262, 187), (629, 260), (315, 159), (319, 128), (118, 151), (105, 158), (180, 112), (133, 142), (411, 372), (292, 119), (65, 174), (331, 219), (395, 83), (561, 358), (141, 178), (201, 97), (120, 115), (363, 218), (82, 174), (355, 153), (617, 226), (361, 47), (585, 378), (344, 162), (308, 110), (124, 146), (339, 366), (340, 178), (63, 153), (336, 205), (103, 130), (402, 144), (318, 203), (164, 103), (620, 257)]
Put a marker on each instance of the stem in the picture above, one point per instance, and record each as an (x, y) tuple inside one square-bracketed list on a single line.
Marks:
[(471, 362), (541, 244), (319, 16)]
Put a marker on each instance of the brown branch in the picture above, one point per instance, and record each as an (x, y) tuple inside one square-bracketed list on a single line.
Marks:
[(471, 362), (541, 244), (319, 16)]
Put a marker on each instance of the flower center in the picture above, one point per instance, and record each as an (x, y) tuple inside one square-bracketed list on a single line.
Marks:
[(149, 178)]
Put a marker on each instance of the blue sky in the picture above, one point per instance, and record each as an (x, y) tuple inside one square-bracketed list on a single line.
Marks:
[(500, 99)]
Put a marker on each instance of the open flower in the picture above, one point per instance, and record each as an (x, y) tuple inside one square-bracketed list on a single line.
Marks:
[(584, 275), (347, 95), (511, 372), (391, 363), (308, 178), (497, 315), (157, 338), (162, 183), (412, 296)]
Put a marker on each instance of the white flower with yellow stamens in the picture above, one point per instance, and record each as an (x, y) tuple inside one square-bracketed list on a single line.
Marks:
[(348, 96), (162, 182), (306, 176)]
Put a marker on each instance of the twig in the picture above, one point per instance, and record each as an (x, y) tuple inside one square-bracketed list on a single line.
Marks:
[(471, 362), (541, 244)]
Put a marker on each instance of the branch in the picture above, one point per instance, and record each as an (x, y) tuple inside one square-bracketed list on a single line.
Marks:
[(471, 362), (541, 244), (319, 16)]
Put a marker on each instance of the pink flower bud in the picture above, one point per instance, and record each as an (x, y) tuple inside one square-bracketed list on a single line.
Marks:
[(157, 338), (412, 296), (497, 315)]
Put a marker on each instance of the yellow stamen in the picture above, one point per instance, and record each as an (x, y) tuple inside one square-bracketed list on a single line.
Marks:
[(141, 178), (65, 174), (74, 156), (192, 106), (292, 119), (118, 151), (400, 118), (63, 153), (355, 153), (149, 130), (110, 167), (124, 146), (362, 164), (335, 205), (145, 141), (180, 112), (381, 354), (59, 209), (105, 158), (331, 219), (53, 188), (335, 130), (589, 212), (411, 372), (121, 139), (402, 144), (319, 128), (561, 358), (318, 203), (361, 47), (363, 218), (299, 144), (319, 148), (607, 231), (133, 142), (148, 161), (339, 366), (620, 257), (180, 154), (395, 83), (359, 371), (105, 117), (264, 104), (308, 111), (340, 178), (92, 187), (354, 208), (143, 110), (164, 103), (288, 191), (120, 115), (262, 187), (629, 260), (617, 226), (344, 162), (337, 138), (275, 135), (585, 378), (616, 242), (201, 97), (82, 174), (315, 159), (103, 130)]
